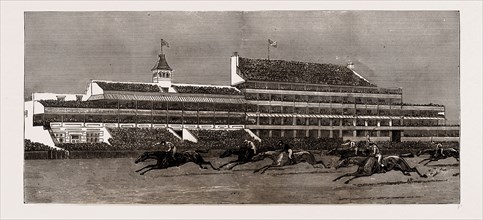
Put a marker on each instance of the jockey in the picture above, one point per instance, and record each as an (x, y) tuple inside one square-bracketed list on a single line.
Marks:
[(171, 149), (369, 141), (352, 145), (287, 148), (439, 149), (251, 145), (375, 152)]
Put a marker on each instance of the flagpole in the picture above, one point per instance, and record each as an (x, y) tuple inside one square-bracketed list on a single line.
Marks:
[(161, 46), (268, 49)]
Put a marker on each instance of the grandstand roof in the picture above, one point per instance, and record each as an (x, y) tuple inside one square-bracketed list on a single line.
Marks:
[(161, 63), (172, 98), (298, 72), (127, 86)]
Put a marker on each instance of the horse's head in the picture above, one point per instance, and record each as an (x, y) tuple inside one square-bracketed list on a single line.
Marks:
[(143, 157), (226, 153)]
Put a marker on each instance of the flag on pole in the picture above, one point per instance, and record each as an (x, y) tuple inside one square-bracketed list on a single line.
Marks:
[(164, 43), (272, 43)]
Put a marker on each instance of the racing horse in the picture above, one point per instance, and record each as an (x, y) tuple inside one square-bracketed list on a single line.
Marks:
[(435, 156), (245, 155), (165, 161), (368, 166), (299, 157)]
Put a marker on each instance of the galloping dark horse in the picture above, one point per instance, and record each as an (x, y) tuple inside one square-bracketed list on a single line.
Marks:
[(368, 166), (245, 155), (435, 156), (164, 160), (299, 157)]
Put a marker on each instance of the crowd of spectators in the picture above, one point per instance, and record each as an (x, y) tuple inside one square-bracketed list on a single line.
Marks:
[(207, 90), (221, 139), (139, 138), (393, 148), (36, 146), (429, 104), (132, 87), (317, 88), (298, 72), (420, 123), (80, 104), (320, 99), (302, 143)]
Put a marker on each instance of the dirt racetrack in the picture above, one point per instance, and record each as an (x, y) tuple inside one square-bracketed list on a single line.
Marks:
[(114, 181)]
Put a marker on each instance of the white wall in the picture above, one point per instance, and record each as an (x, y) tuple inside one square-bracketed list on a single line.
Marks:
[(235, 78), (187, 135), (37, 133)]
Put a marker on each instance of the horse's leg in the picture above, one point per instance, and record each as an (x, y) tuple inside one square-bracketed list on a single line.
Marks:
[(148, 166), (405, 173), (209, 163), (257, 170), (233, 161), (423, 160), (357, 176), (321, 162), (201, 165), (339, 165), (236, 164), (414, 169), (347, 174), (151, 168), (270, 166)]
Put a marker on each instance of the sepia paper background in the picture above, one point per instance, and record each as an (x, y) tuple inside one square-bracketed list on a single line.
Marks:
[(12, 100)]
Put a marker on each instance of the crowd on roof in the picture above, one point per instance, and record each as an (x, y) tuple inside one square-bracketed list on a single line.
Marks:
[(132, 87), (298, 72), (206, 90)]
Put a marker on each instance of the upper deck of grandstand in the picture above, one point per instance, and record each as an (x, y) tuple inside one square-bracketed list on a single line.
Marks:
[(298, 72)]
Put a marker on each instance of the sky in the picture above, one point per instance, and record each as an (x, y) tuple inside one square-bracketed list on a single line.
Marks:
[(417, 51)]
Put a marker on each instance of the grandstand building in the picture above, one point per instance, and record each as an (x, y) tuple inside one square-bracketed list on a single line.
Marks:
[(267, 98)]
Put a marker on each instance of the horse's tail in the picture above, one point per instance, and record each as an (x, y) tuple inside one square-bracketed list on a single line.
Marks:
[(202, 151)]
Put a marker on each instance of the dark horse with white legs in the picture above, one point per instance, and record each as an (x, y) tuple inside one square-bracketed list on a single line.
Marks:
[(435, 156), (245, 155), (164, 160), (299, 157), (368, 166)]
